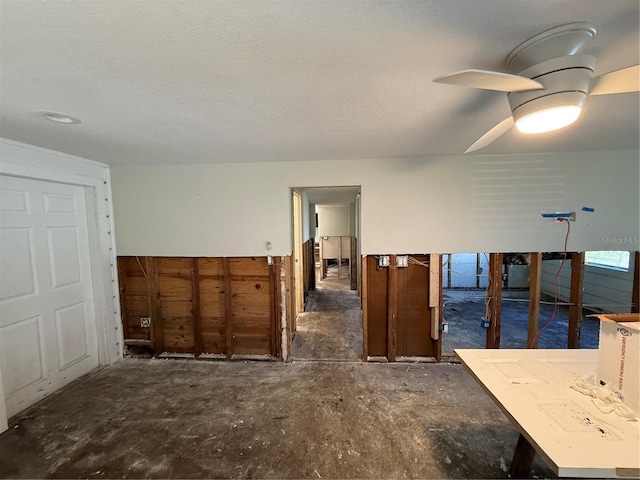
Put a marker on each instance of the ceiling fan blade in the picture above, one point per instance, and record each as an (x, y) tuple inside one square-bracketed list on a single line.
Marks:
[(492, 135), (488, 80), (620, 81)]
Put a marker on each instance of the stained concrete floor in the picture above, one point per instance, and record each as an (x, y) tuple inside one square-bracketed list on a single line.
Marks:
[(330, 328), (149, 418), (146, 418)]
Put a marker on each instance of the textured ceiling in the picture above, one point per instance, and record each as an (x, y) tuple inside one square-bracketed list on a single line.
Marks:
[(200, 81)]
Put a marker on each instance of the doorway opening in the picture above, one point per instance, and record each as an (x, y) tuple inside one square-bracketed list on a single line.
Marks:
[(326, 239)]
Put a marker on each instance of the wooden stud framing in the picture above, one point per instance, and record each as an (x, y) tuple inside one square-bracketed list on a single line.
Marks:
[(292, 317), (157, 334), (635, 292), (197, 318), (122, 283), (392, 309), (339, 258), (535, 282), (575, 299), (495, 300), (435, 276), (276, 337), (227, 306), (353, 264), (364, 301)]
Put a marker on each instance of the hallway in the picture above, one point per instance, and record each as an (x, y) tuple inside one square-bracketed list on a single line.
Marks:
[(330, 328)]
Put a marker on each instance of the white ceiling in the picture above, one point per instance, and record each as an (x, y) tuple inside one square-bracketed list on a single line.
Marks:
[(235, 81)]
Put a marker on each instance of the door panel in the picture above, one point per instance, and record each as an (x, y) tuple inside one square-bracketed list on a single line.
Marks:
[(47, 321)]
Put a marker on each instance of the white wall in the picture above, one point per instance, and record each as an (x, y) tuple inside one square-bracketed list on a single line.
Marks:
[(418, 205), (334, 220), (604, 289)]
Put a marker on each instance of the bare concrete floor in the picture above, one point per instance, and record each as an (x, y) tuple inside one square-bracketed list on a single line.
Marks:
[(146, 418), (330, 328)]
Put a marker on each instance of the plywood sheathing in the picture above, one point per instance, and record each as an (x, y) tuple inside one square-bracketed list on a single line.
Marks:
[(398, 313), (219, 306)]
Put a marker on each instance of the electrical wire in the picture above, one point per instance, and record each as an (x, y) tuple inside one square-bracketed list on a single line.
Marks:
[(553, 282)]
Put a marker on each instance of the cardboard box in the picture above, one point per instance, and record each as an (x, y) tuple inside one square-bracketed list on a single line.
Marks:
[(619, 356)]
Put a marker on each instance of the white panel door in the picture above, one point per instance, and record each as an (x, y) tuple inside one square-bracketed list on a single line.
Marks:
[(47, 319)]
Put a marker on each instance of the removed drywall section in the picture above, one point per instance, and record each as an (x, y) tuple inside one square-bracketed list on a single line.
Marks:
[(398, 308), (214, 306), (407, 205), (605, 289)]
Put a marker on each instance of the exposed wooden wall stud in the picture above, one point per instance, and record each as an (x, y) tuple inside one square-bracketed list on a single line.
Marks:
[(157, 334), (495, 300), (535, 282), (575, 299), (392, 309), (227, 306), (364, 301), (197, 319)]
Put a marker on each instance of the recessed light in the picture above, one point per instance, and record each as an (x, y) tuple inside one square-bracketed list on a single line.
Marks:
[(58, 117)]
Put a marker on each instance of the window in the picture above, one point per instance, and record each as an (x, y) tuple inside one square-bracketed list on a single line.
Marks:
[(608, 259)]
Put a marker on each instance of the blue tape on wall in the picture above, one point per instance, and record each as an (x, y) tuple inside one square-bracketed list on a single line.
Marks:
[(556, 215), (588, 209)]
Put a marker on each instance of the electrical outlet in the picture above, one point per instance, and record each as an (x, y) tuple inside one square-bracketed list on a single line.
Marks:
[(402, 261), (383, 261), (145, 322), (485, 323)]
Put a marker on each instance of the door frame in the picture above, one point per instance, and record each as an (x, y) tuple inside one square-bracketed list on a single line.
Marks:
[(298, 257), (34, 163)]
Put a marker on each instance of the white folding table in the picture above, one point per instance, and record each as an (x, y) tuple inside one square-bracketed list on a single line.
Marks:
[(565, 427)]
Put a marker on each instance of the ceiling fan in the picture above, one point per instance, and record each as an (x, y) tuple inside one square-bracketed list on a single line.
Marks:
[(550, 83)]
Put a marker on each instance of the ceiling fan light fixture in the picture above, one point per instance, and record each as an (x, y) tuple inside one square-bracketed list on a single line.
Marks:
[(549, 119), (549, 112)]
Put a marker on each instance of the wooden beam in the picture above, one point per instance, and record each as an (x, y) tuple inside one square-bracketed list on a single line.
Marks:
[(339, 258), (535, 283), (353, 263), (575, 299), (293, 314), (495, 300), (226, 265), (365, 318), (392, 309), (157, 334), (122, 283), (197, 317), (276, 320), (635, 295), (435, 275)]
